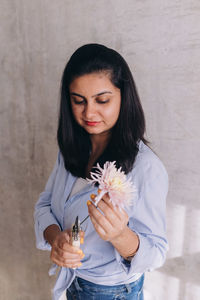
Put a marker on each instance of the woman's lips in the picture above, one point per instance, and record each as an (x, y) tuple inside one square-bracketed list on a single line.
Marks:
[(89, 123)]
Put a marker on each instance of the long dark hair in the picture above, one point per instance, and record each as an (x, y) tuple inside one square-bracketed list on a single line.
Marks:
[(73, 140)]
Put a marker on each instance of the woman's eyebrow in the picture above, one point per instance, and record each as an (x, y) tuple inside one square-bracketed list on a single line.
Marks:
[(104, 92), (78, 95), (99, 94)]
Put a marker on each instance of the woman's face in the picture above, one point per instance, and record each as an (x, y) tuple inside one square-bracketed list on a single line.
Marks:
[(95, 102)]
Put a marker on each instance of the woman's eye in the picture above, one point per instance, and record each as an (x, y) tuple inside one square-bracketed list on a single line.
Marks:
[(78, 102), (103, 101)]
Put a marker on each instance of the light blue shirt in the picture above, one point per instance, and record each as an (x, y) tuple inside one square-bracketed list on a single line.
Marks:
[(102, 263)]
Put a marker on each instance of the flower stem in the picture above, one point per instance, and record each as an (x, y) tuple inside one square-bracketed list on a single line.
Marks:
[(97, 199), (84, 220)]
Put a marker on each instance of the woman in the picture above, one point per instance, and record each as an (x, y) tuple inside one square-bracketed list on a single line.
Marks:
[(101, 119)]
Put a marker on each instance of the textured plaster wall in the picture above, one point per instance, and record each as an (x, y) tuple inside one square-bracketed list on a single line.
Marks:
[(161, 42)]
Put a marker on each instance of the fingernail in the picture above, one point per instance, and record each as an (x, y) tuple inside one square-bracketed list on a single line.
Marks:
[(79, 264), (92, 196), (80, 252), (81, 240), (99, 191), (89, 202)]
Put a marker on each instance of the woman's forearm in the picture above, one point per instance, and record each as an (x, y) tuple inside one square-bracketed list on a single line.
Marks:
[(51, 232), (127, 243)]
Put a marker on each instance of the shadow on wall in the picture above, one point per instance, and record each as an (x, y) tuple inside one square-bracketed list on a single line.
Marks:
[(179, 278), (184, 267)]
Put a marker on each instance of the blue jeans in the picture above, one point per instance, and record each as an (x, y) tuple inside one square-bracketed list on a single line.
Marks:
[(81, 289)]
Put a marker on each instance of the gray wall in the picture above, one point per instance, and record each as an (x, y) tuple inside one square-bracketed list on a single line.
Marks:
[(161, 42)]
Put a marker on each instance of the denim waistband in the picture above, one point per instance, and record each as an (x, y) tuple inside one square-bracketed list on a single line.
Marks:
[(80, 283)]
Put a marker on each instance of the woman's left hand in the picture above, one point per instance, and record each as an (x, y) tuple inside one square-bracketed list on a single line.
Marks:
[(111, 222)]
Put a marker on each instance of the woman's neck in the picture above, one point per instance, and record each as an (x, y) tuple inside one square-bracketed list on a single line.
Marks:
[(99, 143)]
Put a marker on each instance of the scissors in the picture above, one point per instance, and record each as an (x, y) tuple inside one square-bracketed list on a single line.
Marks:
[(76, 228)]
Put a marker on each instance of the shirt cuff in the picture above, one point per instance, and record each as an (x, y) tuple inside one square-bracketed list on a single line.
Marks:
[(144, 258), (40, 226)]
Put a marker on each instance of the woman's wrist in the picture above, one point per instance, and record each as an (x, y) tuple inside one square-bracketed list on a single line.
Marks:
[(51, 232), (127, 243)]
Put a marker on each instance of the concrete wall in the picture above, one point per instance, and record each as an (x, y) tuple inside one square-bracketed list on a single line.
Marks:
[(161, 42)]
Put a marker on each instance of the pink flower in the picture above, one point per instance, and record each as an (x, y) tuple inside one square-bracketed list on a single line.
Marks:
[(114, 182)]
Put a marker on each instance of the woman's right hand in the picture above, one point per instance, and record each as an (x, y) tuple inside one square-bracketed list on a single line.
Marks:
[(63, 253)]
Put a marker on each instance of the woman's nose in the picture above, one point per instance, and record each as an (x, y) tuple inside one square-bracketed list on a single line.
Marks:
[(89, 110)]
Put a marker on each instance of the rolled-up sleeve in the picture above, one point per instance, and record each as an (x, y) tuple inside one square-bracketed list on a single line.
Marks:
[(148, 221), (43, 216)]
